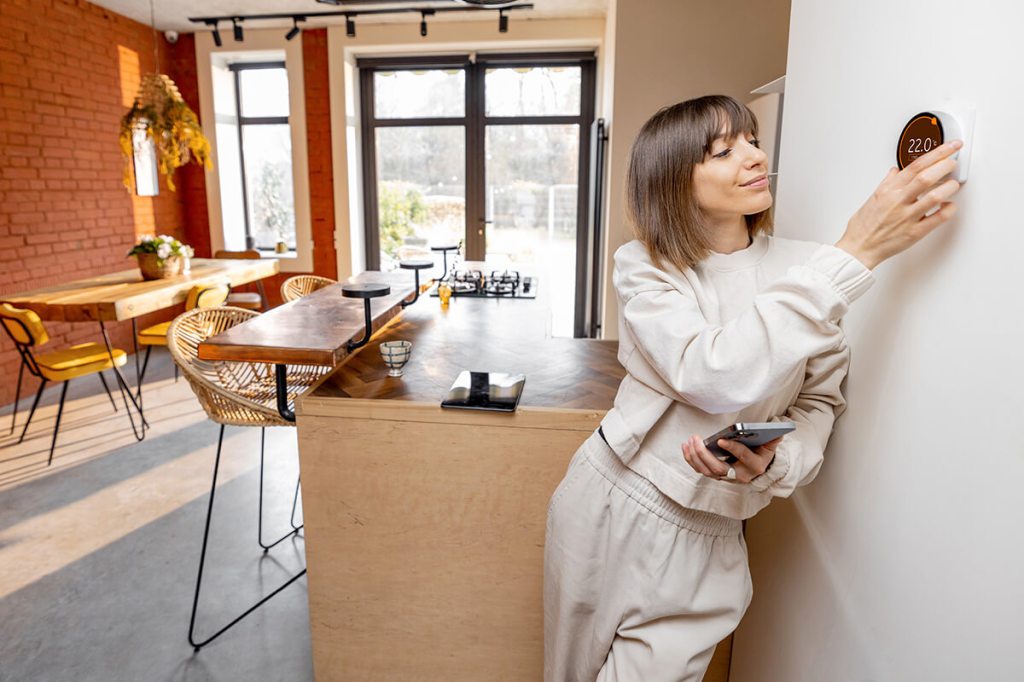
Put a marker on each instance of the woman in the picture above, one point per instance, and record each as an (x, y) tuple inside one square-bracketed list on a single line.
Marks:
[(719, 322)]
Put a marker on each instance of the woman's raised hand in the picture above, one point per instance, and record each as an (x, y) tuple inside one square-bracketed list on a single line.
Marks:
[(749, 463), (894, 218)]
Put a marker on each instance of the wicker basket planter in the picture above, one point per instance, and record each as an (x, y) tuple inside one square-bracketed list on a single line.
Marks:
[(151, 268)]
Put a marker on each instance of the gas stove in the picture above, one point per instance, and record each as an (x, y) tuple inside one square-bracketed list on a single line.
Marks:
[(496, 284)]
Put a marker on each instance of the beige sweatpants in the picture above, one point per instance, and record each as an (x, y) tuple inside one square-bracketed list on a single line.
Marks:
[(636, 587)]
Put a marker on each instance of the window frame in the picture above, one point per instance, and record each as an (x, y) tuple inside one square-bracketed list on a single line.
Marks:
[(476, 121), (258, 46), (236, 69)]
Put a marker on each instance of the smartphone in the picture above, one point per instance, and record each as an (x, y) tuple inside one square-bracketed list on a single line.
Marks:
[(750, 434)]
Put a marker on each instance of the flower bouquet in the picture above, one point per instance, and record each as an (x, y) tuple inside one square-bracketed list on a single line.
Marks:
[(161, 256)]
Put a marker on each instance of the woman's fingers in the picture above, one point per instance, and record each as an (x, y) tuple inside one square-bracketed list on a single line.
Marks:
[(927, 179), (937, 196), (716, 466), (922, 163), (690, 455)]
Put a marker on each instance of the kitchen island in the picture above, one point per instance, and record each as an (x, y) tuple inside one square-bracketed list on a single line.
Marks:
[(425, 526)]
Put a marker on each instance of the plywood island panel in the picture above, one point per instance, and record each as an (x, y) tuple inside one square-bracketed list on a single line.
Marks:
[(425, 526)]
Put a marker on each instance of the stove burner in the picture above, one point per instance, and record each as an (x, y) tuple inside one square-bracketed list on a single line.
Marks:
[(500, 283), (500, 288), (506, 277)]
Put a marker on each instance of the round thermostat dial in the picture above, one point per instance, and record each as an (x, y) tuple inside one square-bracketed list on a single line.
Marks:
[(920, 135)]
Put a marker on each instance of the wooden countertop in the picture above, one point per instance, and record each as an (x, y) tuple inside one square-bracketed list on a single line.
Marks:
[(313, 330), (482, 335)]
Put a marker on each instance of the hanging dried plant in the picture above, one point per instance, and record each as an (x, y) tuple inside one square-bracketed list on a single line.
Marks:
[(160, 110)]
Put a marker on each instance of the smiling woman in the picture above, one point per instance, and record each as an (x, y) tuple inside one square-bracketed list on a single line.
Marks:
[(721, 322), (687, 171)]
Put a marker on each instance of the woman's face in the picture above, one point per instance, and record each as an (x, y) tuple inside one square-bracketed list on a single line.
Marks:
[(732, 180)]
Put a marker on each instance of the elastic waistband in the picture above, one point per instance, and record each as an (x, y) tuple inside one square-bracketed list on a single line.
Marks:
[(608, 464)]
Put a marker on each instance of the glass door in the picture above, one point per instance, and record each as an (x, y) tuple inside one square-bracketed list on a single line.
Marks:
[(492, 153), (415, 119), (532, 170)]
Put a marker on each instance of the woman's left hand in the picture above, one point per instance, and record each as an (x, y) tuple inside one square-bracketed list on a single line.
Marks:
[(749, 463)]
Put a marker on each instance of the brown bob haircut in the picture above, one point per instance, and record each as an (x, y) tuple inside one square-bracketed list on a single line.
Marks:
[(660, 197)]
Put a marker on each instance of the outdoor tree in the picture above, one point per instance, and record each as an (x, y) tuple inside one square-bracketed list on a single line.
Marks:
[(400, 208), (272, 213)]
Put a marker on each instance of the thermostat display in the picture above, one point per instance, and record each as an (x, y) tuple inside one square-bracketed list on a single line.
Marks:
[(930, 129), (922, 134)]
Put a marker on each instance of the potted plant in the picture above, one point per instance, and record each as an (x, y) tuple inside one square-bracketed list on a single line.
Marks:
[(162, 113), (161, 256)]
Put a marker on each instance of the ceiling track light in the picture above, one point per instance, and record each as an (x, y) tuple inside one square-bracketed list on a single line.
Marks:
[(502, 7), (294, 31)]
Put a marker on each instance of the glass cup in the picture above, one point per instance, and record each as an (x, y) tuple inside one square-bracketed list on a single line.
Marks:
[(395, 354)]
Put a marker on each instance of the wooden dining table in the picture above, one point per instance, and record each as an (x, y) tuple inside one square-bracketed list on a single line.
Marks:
[(124, 295)]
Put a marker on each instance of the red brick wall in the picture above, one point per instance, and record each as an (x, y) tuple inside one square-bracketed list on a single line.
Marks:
[(70, 70)]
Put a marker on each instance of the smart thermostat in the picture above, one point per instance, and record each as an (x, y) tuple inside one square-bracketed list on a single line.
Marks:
[(929, 129)]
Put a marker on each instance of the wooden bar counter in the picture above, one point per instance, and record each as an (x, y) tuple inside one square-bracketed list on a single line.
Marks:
[(425, 527)]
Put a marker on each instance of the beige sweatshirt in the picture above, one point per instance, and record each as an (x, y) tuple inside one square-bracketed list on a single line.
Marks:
[(751, 336)]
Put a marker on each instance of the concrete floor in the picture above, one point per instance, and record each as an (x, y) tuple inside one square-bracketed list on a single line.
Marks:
[(99, 552)]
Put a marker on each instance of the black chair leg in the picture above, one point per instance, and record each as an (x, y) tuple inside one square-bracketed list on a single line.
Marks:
[(145, 364), (202, 560), (295, 529), (17, 394), (175, 372), (35, 403), (56, 427), (106, 388)]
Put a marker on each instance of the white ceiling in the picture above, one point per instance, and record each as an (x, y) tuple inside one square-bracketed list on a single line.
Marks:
[(174, 14)]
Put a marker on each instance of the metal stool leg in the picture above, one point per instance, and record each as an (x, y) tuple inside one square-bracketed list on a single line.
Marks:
[(17, 394), (295, 529), (35, 403), (295, 502), (56, 427), (202, 561), (107, 389)]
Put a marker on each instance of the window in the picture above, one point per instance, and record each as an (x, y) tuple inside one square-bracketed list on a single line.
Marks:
[(491, 153), (252, 104), (265, 155)]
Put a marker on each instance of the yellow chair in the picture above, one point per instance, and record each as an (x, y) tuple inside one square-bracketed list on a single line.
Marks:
[(246, 299), (300, 285), (201, 296), (27, 331)]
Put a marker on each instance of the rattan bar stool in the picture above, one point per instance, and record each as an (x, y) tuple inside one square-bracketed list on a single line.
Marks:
[(234, 394), (301, 285)]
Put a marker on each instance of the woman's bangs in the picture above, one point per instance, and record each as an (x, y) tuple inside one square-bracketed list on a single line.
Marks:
[(729, 114)]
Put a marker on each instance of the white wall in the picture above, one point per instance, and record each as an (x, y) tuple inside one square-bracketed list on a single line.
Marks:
[(903, 560)]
